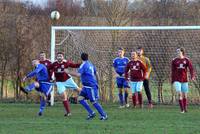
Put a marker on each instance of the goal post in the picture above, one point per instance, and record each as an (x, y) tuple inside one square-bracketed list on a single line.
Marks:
[(101, 43)]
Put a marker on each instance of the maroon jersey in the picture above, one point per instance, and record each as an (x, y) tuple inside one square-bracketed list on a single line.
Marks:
[(47, 63), (58, 69), (136, 70), (179, 69)]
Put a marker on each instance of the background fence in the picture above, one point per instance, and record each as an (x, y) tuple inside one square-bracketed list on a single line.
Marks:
[(25, 31)]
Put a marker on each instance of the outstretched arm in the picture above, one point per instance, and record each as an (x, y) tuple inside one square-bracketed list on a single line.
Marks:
[(73, 73), (33, 73)]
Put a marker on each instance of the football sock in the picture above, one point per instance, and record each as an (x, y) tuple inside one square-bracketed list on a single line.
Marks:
[(181, 104), (66, 106), (42, 104), (121, 98), (126, 97), (86, 106), (185, 104), (140, 98), (134, 99), (99, 109)]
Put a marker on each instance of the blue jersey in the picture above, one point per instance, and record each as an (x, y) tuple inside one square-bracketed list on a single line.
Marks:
[(40, 72), (88, 74), (119, 64)]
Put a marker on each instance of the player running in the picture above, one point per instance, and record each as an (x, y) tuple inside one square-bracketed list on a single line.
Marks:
[(136, 70), (42, 83), (88, 74), (119, 65), (179, 67)]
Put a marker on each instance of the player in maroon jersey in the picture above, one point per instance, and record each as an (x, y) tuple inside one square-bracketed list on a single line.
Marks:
[(179, 67), (47, 63), (135, 72), (63, 80)]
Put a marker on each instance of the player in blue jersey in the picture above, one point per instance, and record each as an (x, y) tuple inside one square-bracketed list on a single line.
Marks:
[(88, 74), (42, 83), (119, 65)]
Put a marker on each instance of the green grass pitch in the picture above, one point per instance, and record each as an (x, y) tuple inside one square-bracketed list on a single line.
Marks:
[(23, 119)]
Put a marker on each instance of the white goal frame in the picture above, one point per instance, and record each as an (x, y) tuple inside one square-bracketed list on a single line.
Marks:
[(142, 28)]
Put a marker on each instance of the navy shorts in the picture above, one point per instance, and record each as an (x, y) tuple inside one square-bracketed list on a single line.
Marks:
[(90, 93), (121, 82), (45, 88)]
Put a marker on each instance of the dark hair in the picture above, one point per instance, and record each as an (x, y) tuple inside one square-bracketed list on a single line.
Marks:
[(84, 56), (121, 48), (60, 53), (42, 52), (140, 47), (182, 49)]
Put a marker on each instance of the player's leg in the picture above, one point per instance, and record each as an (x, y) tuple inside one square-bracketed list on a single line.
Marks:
[(29, 87), (184, 90), (66, 103), (45, 89), (82, 100), (62, 91), (139, 91), (42, 104), (120, 91), (134, 93), (126, 92), (177, 86), (148, 92), (69, 84), (93, 97)]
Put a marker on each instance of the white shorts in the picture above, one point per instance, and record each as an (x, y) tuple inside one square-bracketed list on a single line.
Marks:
[(68, 84)]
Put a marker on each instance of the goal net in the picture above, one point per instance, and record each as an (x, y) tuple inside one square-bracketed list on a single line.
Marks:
[(159, 43)]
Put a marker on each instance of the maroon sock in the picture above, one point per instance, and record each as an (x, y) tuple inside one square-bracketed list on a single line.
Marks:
[(185, 104), (66, 106), (134, 99), (181, 104), (140, 98)]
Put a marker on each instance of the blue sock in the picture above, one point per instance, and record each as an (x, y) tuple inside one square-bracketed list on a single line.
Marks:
[(30, 87), (99, 109), (126, 97), (86, 106), (121, 98), (42, 104)]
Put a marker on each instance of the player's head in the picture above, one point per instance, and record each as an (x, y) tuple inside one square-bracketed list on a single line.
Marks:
[(84, 56), (180, 52), (134, 55), (121, 52), (42, 56), (140, 51), (60, 56), (35, 62)]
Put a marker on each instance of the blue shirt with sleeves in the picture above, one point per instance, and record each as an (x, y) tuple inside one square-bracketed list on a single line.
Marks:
[(119, 65), (88, 74), (40, 72)]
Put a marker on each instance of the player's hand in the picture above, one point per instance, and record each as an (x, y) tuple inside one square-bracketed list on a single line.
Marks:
[(193, 79), (24, 79), (146, 76), (66, 71)]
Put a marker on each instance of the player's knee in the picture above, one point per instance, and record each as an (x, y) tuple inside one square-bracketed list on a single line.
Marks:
[(80, 98), (36, 84), (93, 102)]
